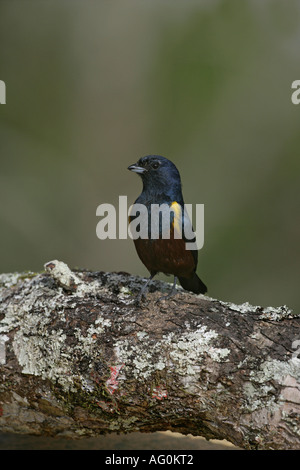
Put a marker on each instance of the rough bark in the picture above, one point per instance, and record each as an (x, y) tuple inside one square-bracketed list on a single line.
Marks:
[(78, 357)]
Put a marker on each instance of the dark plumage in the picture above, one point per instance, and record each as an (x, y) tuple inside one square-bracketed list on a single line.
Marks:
[(162, 185)]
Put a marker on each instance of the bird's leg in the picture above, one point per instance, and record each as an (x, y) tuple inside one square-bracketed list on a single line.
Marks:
[(144, 289), (173, 292)]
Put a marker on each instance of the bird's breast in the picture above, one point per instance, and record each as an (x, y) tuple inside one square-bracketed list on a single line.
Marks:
[(168, 256)]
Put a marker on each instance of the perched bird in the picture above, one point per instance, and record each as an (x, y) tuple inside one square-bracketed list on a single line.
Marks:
[(162, 185)]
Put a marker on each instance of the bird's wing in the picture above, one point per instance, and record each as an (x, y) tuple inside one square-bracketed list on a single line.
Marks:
[(183, 226)]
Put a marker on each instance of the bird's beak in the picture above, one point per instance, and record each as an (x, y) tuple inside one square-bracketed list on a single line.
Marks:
[(137, 169)]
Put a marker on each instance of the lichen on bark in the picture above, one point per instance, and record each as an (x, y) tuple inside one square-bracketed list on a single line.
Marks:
[(79, 356)]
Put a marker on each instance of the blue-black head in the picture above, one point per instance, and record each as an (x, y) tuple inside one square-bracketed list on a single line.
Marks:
[(159, 175)]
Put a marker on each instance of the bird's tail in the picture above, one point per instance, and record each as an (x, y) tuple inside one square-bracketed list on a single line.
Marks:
[(193, 284)]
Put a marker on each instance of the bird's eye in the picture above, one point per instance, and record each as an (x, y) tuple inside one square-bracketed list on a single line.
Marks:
[(155, 165)]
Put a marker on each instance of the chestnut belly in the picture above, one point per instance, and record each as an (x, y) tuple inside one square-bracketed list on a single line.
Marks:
[(168, 256)]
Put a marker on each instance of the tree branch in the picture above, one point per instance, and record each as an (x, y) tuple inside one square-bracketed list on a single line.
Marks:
[(78, 357)]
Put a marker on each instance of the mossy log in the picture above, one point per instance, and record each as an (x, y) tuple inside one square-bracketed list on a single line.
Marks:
[(78, 357)]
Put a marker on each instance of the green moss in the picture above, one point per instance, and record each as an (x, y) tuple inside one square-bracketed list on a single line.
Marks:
[(28, 275), (11, 279), (97, 402)]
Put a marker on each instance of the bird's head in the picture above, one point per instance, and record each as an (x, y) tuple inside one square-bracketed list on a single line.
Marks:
[(157, 173)]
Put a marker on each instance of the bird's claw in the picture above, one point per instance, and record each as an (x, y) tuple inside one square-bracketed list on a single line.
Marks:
[(168, 296)]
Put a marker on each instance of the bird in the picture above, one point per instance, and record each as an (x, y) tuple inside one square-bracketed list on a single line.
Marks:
[(162, 187)]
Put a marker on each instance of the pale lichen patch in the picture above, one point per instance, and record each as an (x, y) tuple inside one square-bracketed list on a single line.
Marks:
[(8, 280), (278, 370), (40, 346), (125, 291), (142, 335), (191, 347), (62, 274), (3, 340), (276, 313), (266, 313), (257, 396), (87, 343), (259, 392), (88, 289), (184, 354)]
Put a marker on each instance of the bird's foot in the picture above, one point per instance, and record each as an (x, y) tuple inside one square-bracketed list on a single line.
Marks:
[(141, 297), (142, 294), (171, 294), (168, 296)]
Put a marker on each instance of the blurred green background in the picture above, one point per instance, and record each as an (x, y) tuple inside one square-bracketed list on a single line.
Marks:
[(93, 86)]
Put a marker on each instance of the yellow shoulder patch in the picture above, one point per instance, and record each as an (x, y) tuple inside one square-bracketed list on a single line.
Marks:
[(177, 222)]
